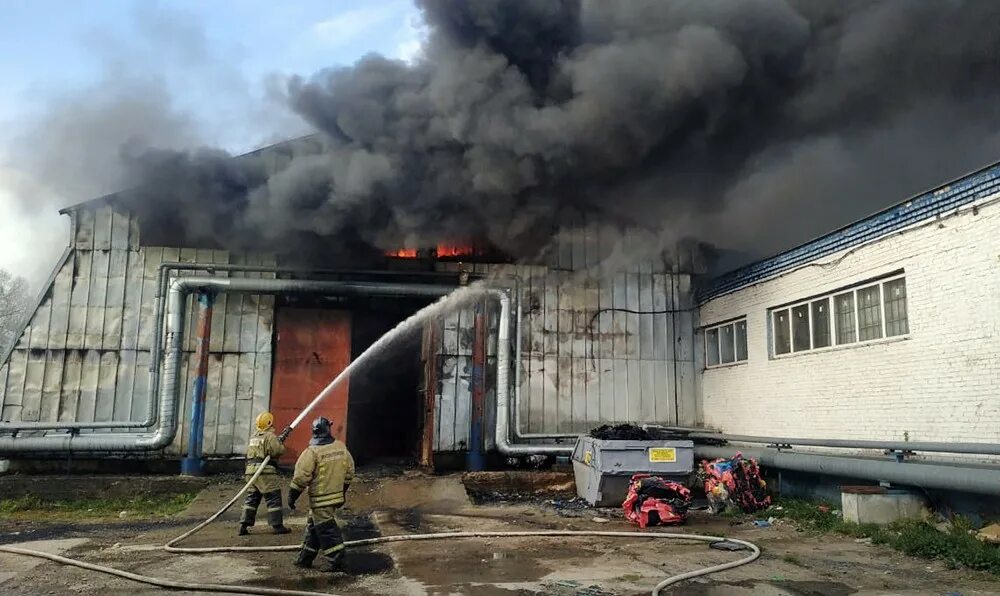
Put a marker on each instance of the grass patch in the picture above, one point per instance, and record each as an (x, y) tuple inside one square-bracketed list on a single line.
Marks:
[(32, 507), (957, 547), (793, 560)]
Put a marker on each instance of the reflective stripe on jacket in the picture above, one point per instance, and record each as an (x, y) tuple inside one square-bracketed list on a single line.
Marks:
[(263, 444), (324, 470)]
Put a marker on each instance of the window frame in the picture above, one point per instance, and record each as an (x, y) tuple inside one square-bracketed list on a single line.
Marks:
[(717, 328), (832, 316)]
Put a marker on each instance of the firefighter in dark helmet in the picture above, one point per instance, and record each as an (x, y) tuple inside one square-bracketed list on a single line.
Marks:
[(326, 469), (267, 486)]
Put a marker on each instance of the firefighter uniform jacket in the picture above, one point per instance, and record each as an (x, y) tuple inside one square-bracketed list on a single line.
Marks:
[(324, 469), (263, 444)]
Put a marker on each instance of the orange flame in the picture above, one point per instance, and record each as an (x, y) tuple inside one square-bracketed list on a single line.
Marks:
[(444, 250), (402, 253), (447, 251)]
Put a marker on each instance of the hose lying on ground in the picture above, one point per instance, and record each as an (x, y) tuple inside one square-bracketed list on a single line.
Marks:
[(240, 589)]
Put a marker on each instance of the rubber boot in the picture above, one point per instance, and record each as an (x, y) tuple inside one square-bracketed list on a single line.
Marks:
[(243, 530), (280, 530), (304, 560), (334, 564)]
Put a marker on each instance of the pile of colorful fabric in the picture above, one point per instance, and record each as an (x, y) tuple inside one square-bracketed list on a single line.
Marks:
[(652, 501), (735, 481)]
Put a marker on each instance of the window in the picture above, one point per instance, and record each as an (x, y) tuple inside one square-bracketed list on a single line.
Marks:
[(800, 328), (741, 341), (712, 347), (868, 312), (894, 295), (782, 337), (821, 323), (846, 331), (726, 343)]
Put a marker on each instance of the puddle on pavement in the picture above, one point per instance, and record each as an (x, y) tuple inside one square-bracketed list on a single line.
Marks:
[(357, 526), (359, 562), (480, 563)]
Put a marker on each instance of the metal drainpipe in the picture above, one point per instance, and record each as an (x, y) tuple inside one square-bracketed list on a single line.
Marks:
[(901, 446), (175, 319), (193, 465), (163, 277), (502, 434), (969, 478), (474, 457)]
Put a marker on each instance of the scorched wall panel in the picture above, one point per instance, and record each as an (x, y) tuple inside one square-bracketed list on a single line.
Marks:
[(86, 350), (598, 345)]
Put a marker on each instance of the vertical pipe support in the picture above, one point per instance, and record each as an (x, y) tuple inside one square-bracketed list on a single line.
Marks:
[(431, 364), (193, 464), (475, 461)]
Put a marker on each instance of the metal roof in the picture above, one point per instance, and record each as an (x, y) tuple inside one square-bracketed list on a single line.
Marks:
[(932, 203)]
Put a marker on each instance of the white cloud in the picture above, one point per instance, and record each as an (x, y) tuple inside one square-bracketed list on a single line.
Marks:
[(410, 37), (32, 233), (348, 26)]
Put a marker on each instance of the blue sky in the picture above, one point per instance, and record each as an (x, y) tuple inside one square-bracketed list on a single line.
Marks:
[(51, 46), (210, 67)]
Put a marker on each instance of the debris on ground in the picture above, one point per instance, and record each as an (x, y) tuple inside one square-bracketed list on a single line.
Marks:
[(727, 545), (734, 481), (761, 523), (653, 501), (568, 507), (518, 486), (620, 432), (575, 588), (990, 534), (600, 520)]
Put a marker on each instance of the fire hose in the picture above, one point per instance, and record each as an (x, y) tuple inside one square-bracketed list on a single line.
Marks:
[(240, 589), (172, 546)]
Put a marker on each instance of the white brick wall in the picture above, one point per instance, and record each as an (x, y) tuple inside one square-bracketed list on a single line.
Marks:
[(939, 383)]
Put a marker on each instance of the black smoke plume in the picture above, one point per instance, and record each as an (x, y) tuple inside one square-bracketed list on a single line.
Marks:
[(752, 125)]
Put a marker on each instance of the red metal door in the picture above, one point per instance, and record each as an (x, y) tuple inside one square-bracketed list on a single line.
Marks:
[(312, 347)]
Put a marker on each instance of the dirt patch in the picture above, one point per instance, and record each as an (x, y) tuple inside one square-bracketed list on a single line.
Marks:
[(488, 486), (66, 487), (793, 563)]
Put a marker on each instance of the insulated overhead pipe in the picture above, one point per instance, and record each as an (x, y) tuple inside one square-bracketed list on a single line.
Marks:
[(156, 352), (961, 478), (937, 447), (164, 434)]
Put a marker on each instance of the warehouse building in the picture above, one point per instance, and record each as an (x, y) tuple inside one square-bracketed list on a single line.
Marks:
[(882, 330), (886, 329), (593, 347)]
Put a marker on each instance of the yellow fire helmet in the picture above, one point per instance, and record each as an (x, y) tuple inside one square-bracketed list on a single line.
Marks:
[(264, 421)]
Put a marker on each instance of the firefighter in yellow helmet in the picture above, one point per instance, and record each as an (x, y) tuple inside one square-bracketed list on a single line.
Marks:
[(326, 469), (267, 486)]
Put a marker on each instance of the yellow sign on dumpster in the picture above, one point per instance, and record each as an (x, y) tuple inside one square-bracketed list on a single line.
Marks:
[(662, 455)]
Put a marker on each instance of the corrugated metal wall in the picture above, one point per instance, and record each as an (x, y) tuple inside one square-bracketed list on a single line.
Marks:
[(86, 351), (598, 345), (585, 360)]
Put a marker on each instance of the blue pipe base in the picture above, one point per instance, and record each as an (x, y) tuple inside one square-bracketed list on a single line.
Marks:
[(192, 466)]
